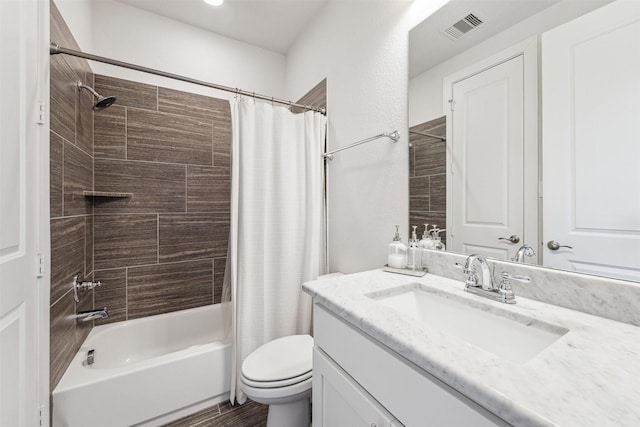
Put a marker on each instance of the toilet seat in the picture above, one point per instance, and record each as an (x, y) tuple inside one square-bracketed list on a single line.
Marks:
[(275, 384), (272, 395), (279, 363)]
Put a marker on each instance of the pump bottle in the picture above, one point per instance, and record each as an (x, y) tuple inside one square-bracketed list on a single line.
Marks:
[(397, 252)]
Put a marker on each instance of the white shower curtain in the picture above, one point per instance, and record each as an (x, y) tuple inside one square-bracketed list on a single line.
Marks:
[(276, 239)]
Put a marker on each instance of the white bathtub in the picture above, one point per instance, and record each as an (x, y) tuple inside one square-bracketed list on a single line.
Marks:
[(147, 371)]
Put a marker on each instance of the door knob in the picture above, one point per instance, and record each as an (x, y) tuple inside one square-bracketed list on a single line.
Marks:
[(554, 246), (513, 239)]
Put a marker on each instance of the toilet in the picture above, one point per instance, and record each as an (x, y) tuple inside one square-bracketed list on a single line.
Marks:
[(279, 374)]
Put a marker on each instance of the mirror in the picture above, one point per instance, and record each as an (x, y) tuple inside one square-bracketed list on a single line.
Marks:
[(508, 148)]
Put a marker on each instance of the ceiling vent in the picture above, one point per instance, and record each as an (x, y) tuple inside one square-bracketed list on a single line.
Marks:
[(463, 26)]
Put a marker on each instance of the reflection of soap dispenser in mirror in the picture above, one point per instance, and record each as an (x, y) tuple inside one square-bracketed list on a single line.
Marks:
[(397, 252), (413, 258), (437, 240), (424, 243)]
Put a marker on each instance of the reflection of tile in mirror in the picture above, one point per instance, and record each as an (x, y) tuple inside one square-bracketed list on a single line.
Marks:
[(427, 171), (438, 193), (419, 193), (429, 153)]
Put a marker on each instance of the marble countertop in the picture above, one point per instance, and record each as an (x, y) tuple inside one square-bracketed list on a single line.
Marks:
[(588, 377)]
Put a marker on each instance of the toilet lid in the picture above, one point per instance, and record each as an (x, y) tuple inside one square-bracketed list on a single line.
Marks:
[(280, 359)]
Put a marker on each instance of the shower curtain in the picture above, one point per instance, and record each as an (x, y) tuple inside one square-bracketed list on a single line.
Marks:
[(276, 238)]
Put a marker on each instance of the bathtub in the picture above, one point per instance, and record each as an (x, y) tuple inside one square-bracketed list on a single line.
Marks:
[(147, 371)]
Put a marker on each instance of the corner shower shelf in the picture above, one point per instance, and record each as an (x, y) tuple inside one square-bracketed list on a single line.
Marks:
[(111, 194)]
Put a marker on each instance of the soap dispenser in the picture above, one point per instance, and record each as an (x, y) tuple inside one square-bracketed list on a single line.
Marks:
[(413, 258), (397, 252)]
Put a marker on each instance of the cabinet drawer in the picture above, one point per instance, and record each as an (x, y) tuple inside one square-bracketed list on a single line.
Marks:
[(414, 397)]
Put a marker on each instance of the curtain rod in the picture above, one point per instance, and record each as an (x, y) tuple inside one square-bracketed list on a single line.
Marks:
[(441, 138), (54, 49), (394, 136)]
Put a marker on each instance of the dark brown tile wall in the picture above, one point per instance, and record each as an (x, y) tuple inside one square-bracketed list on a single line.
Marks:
[(129, 94), (125, 240), (427, 176), (163, 248), (109, 138), (71, 173), (208, 189), (161, 288), (169, 138), (55, 174), (156, 187), (77, 177)]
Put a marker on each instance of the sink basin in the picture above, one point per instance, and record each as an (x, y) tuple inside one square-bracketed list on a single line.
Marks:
[(515, 337)]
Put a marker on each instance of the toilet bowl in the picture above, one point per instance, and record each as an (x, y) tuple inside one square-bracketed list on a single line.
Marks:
[(279, 374)]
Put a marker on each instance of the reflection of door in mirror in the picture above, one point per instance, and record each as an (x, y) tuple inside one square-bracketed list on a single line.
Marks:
[(486, 173), (591, 142)]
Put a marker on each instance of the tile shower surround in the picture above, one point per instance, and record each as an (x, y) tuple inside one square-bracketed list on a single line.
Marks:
[(427, 177), (162, 249)]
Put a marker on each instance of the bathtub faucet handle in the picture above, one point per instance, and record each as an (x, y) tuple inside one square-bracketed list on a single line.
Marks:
[(79, 284)]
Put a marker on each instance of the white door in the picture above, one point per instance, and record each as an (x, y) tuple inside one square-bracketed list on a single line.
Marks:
[(487, 162), (591, 142), (21, 212)]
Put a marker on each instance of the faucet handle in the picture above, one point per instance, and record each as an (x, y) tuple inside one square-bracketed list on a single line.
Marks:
[(463, 267), (517, 277), (505, 293), (472, 279)]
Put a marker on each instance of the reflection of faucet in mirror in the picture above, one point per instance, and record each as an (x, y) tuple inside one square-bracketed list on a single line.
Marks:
[(524, 251)]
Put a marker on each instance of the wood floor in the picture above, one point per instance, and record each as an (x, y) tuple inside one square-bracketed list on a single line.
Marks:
[(251, 414)]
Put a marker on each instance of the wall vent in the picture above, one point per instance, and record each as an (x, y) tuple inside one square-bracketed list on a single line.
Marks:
[(463, 26)]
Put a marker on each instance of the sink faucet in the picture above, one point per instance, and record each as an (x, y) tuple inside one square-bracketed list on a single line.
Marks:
[(487, 289), (472, 280), (524, 251)]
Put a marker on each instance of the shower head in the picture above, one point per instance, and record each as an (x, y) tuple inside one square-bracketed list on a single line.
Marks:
[(102, 102)]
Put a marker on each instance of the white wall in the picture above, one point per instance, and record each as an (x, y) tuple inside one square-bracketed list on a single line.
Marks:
[(425, 90), (133, 35), (362, 50)]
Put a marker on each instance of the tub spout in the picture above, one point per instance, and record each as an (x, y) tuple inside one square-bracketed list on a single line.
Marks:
[(87, 316)]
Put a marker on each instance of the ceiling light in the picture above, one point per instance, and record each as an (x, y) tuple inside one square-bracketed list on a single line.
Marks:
[(214, 2)]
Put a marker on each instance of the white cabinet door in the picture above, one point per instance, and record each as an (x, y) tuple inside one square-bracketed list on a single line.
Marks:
[(338, 401), (487, 169), (591, 142), (22, 161)]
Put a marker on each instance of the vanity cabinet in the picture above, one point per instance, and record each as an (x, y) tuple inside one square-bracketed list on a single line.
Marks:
[(360, 382)]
